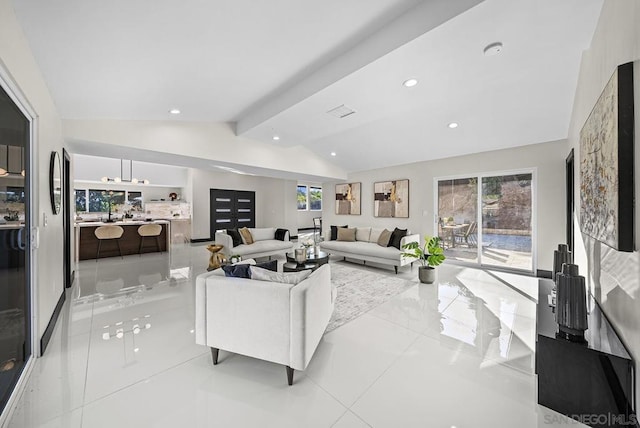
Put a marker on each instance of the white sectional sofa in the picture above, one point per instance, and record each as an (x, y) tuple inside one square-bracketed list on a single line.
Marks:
[(272, 321), (265, 245), (366, 248)]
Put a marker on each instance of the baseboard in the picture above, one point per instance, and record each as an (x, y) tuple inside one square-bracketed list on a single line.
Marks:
[(540, 273), (305, 228), (193, 241), (73, 278), (46, 336)]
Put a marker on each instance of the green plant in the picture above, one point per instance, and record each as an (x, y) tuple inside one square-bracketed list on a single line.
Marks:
[(431, 254)]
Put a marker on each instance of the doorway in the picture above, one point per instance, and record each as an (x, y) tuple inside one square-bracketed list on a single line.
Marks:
[(230, 209), (488, 219), (15, 247)]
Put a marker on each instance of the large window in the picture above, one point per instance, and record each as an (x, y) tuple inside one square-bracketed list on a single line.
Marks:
[(488, 219), (303, 192), (309, 198), (98, 200), (315, 198)]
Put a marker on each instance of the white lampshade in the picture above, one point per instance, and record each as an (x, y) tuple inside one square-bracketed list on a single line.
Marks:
[(134, 181), (117, 179), (3, 172), (145, 182), (104, 179)]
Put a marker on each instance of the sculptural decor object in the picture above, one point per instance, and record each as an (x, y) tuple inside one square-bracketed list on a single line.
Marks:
[(571, 306), (560, 256)]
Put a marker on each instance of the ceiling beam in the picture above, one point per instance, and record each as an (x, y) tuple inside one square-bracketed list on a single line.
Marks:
[(417, 21)]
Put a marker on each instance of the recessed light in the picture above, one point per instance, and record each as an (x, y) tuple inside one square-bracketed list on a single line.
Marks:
[(174, 111), (453, 125), (410, 82), (276, 138), (493, 49), (333, 153)]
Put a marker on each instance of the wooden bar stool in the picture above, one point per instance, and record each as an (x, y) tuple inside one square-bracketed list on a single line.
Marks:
[(108, 233), (150, 230)]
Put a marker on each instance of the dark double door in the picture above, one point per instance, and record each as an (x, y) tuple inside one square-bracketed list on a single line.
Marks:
[(231, 209)]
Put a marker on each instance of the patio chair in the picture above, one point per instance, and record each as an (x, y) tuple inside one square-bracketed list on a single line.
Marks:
[(469, 236)]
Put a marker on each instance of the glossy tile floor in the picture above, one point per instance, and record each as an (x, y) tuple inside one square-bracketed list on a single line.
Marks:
[(458, 353)]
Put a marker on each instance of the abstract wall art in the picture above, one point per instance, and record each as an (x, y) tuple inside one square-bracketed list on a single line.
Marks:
[(391, 199), (348, 198), (606, 164)]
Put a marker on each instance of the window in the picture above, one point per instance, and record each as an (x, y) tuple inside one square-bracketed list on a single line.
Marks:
[(302, 197), (81, 200), (488, 219), (134, 199), (315, 198)]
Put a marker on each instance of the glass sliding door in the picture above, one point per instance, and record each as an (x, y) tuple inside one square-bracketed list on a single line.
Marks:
[(457, 218), (495, 230), (15, 328), (507, 214)]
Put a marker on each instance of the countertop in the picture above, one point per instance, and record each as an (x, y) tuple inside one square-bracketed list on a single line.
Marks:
[(118, 223)]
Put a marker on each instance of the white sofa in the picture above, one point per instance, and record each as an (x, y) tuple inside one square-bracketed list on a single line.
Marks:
[(366, 248), (265, 244), (272, 321)]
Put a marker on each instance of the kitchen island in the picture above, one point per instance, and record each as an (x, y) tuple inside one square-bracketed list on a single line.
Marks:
[(87, 243)]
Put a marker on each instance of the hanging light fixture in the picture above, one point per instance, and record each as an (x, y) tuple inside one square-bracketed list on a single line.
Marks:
[(120, 178)]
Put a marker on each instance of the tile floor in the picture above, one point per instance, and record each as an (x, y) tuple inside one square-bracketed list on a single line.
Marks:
[(458, 353)]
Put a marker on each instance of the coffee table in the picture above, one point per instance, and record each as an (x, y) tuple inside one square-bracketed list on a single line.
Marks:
[(313, 261)]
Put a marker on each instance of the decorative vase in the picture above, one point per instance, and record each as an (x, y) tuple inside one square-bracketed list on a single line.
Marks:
[(300, 255), (571, 306), (560, 256), (426, 274)]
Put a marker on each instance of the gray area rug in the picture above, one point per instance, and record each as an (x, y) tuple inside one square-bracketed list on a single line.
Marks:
[(359, 291)]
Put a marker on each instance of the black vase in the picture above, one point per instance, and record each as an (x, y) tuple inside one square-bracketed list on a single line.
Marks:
[(571, 306), (560, 256)]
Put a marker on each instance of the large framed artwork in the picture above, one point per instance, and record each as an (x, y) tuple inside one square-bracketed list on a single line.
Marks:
[(606, 164), (391, 199), (348, 198)]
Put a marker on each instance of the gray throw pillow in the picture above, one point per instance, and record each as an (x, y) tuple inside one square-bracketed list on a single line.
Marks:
[(347, 234), (384, 238), (284, 277)]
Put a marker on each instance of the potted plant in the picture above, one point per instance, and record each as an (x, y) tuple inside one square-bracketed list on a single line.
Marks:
[(430, 255)]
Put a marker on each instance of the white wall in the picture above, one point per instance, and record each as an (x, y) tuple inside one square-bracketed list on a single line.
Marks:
[(275, 199), (614, 277), (16, 59), (547, 158)]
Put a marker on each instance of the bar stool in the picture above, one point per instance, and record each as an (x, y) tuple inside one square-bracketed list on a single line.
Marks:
[(108, 233), (149, 230)]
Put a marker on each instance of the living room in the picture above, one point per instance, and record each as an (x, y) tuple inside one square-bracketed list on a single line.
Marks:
[(503, 88)]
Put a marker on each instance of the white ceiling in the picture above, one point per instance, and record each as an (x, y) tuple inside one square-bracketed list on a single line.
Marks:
[(278, 66)]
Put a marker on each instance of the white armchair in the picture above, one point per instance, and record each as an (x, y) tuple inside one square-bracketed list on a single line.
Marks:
[(276, 322)]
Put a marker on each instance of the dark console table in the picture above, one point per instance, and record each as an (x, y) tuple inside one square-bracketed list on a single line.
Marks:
[(592, 382)]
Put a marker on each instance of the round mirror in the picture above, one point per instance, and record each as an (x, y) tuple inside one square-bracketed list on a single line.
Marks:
[(55, 182)]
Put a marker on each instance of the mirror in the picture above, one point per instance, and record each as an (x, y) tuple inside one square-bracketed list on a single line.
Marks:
[(55, 182)]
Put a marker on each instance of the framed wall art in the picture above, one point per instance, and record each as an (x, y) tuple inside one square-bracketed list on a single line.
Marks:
[(391, 199), (348, 198), (606, 164)]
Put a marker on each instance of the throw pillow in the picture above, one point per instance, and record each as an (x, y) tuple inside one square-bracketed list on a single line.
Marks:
[(271, 265), (281, 234), (262, 233), (246, 236), (375, 234), (384, 238), (283, 277), (396, 237), (346, 234), (334, 232), (363, 233), (237, 271), (235, 236)]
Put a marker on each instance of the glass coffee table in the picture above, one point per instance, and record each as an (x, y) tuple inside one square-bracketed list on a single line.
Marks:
[(313, 261)]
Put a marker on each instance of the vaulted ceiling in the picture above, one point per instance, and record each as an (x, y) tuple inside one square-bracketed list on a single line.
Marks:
[(277, 67)]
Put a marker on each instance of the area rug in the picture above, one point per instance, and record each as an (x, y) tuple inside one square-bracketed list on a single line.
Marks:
[(359, 291)]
